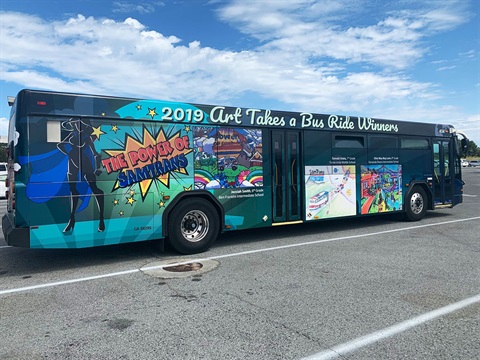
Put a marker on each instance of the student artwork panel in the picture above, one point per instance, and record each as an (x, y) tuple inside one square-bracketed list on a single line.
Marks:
[(330, 192), (381, 188), (227, 157)]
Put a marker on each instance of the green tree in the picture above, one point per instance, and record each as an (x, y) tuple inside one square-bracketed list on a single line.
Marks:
[(471, 150)]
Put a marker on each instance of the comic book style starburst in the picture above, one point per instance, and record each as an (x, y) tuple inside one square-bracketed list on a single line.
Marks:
[(131, 144)]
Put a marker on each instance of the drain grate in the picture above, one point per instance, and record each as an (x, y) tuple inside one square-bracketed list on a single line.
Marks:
[(184, 267)]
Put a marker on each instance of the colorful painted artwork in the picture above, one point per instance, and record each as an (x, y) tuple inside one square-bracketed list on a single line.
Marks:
[(107, 181), (227, 157), (381, 188), (329, 191)]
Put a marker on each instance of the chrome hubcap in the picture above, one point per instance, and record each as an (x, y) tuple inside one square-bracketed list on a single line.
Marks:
[(194, 225), (416, 203)]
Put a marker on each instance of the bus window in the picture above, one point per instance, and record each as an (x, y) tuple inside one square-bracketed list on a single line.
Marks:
[(53, 131), (436, 160), (382, 142), (351, 142), (414, 151), (414, 144), (348, 149), (317, 147), (446, 160), (383, 149)]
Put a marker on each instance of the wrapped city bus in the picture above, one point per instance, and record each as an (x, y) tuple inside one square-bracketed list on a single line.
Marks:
[(87, 170)]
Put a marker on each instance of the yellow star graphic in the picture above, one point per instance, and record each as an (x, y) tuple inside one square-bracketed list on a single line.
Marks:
[(130, 201), (116, 202), (132, 192), (97, 131), (121, 213), (139, 107), (187, 188), (161, 204), (152, 112), (115, 128), (103, 113), (187, 128)]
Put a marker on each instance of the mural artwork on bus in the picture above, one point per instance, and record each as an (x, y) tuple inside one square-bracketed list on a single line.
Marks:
[(229, 163), (330, 191), (114, 177), (381, 188), (160, 161), (227, 157), (150, 163)]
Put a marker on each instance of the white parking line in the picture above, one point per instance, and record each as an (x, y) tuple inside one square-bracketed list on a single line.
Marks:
[(362, 341), (35, 287), (274, 248)]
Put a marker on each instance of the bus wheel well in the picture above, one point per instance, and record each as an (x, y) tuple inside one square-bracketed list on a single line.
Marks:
[(417, 202), (205, 195), (428, 193), (193, 225)]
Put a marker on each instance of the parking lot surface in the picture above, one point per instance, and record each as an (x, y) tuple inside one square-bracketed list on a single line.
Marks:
[(371, 288)]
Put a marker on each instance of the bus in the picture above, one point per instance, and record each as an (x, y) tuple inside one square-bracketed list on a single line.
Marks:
[(86, 171), (318, 200)]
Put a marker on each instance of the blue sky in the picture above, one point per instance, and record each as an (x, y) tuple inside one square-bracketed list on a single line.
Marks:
[(405, 59)]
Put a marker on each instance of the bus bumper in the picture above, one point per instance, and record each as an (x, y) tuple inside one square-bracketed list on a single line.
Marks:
[(15, 236)]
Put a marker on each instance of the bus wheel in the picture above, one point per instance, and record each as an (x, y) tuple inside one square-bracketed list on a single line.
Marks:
[(193, 226), (416, 204)]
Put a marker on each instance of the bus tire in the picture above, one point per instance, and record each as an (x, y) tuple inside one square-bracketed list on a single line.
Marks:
[(193, 226), (416, 204)]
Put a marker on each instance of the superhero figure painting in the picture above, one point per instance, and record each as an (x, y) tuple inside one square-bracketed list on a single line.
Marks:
[(83, 165)]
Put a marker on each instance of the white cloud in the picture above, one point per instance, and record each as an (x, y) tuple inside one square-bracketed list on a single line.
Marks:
[(313, 28), (3, 125), (471, 54), (471, 126), (445, 68), (441, 114), (102, 55), (130, 7), (303, 61)]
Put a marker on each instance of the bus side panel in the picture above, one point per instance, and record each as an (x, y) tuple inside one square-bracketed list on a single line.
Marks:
[(332, 174), (229, 162), (245, 207), (381, 177), (102, 181), (416, 159), (93, 181)]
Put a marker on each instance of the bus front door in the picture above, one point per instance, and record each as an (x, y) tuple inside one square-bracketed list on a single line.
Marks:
[(286, 177), (442, 173)]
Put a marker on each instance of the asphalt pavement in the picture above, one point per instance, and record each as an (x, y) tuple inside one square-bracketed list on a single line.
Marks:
[(370, 288)]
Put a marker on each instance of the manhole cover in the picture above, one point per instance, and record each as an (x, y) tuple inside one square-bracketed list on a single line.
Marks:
[(184, 267), (179, 268)]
